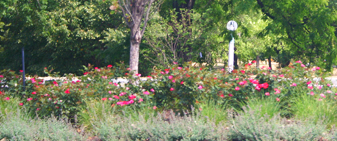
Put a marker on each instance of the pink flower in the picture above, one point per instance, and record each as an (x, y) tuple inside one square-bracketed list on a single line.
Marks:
[(7, 98), (55, 83), (313, 69), (154, 107), (215, 78), (312, 93), (171, 89), (182, 82), (104, 77), (33, 92), (230, 95), (1, 76), (281, 75), (179, 68), (21, 104), (317, 68), (170, 77), (115, 84), (335, 94), (328, 85), (267, 93), (242, 83), (277, 91), (146, 92), (310, 87), (264, 73), (277, 99), (121, 103), (110, 92), (253, 61), (302, 65), (140, 100), (262, 67), (67, 91), (162, 72), (46, 95), (132, 97), (115, 96), (222, 69), (49, 99), (329, 91), (109, 66), (127, 88), (258, 88), (322, 95), (320, 99), (237, 88), (274, 76), (175, 63), (200, 87), (29, 99), (236, 78), (319, 87), (110, 98), (269, 68), (249, 64), (152, 90), (33, 80), (308, 82), (293, 85), (254, 81), (104, 98), (37, 109), (130, 102), (138, 74), (173, 81), (149, 77), (243, 71), (222, 95), (300, 62), (77, 81), (122, 93)]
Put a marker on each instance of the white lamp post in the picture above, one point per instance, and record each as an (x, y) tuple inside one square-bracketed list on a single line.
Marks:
[(231, 26)]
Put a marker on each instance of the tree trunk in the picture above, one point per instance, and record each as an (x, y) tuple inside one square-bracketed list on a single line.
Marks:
[(257, 61), (269, 62), (134, 56)]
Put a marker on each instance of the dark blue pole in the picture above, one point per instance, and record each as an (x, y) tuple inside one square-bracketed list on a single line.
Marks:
[(23, 68)]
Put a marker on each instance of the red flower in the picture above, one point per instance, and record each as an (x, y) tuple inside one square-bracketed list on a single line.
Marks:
[(222, 95), (1, 93), (138, 74), (187, 75), (7, 98), (230, 95), (33, 92), (85, 73), (215, 78), (126, 73), (21, 71), (200, 68), (37, 109), (182, 82), (96, 68), (264, 85), (29, 99), (20, 104), (171, 89), (253, 61), (115, 96), (243, 71), (104, 98), (132, 97), (308, 82), (109, 66), (249, 64), (277, 99), (67, 91)]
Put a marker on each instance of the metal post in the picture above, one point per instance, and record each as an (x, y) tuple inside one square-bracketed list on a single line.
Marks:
[(23, 68)]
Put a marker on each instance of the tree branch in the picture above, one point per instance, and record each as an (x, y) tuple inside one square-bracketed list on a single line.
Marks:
[(259, 2), (125, 10), (147, 15)]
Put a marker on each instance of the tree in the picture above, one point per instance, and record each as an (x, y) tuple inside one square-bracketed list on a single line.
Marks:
[(135, 13)]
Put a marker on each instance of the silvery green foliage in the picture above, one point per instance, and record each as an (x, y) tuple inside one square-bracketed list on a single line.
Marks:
[(163, 126), (250, 126), (18, 127)]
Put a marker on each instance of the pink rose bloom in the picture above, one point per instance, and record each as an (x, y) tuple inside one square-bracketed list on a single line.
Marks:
[(154, 107), (237, 88), (317, 68), (262, 67), (173, 81), (46, 95), (179, 68), (215, 78), (152, 90), (162, 72), (29, 99), (222, 69), (140, 100), (319, 87), (146, 92), (182, 82), (328, 85), (49, 99), (269, 68), (308, 82), (200, 87), (21, 104), (293, 85), (7, 98), (175, 63), (329, 91), (281, 75), (277, 99), (110, 92), (312, 93), (274, 76), (320, 99), (115, 96), (236, 78), (300, 62), (170, 77), (230, 95), (138, 74), (110, 98), (1, 76), (267, 94), (277, 91), (258, 88), (33, 92), (130, 102), (127, 88), (37, 109), (122, 93), (171, 89), (310, 87), (104, 98), (313, 69), (322, 95), (302, 65)]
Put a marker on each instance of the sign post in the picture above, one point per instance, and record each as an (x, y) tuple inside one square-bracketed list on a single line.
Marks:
[(231, 26)]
